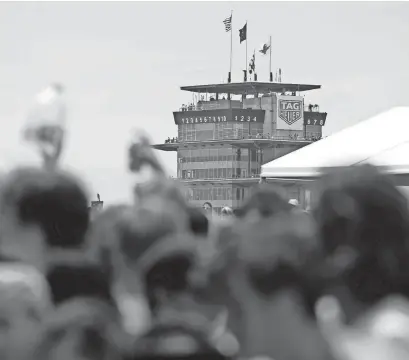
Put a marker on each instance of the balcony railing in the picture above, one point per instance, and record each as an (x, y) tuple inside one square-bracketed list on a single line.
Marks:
[(212, 105), (233, 177), (293, 137), (229, 104)]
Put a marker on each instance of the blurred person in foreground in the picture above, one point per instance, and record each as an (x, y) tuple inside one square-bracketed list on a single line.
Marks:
[(72, 278), (152, 185), (199, 224), (363, 221), (42, 213), (166, 269), (136, 231), (24, 304), (81, 329), (102, 239), (176, 341), (265, 274)]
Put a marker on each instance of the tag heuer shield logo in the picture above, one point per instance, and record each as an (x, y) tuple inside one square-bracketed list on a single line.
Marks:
[(291, 111)]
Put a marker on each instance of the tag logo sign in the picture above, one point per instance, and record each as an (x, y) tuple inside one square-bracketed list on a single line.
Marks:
[(290, 111)]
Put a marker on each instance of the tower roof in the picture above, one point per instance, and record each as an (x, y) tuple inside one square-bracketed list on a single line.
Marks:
[(249, 88)]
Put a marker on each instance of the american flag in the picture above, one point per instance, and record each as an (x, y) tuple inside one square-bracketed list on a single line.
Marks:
[(227, 23)]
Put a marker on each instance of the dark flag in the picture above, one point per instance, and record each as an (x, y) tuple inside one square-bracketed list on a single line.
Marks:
[(265, 49), (252, 65), (227, 23), (243, 33)]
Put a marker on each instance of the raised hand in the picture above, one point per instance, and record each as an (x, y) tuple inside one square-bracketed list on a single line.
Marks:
[(141, 154), (46, 125)]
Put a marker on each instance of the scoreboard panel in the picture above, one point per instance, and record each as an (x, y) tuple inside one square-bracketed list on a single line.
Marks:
[(219, 116), (314, 118)]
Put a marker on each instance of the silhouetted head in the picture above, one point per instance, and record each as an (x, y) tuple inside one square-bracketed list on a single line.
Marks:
[(266, 200), (81, 329), (363, 221), (41, 211), (199, 223)]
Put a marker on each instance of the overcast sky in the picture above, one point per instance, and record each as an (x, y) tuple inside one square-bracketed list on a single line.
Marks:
[(123, 63)]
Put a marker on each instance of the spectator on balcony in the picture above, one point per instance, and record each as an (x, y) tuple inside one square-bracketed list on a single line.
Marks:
[(310, 107), (226, 212)]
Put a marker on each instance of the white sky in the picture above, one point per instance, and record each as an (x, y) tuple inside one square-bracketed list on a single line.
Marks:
[(123, 63)]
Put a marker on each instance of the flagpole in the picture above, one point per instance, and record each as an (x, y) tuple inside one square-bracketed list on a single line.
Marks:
[(271, 74), (231, 42), (246, 46)]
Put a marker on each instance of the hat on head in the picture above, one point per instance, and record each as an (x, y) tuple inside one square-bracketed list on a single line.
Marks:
[(294, 202)]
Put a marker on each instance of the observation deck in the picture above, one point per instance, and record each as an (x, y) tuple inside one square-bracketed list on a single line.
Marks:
[(258, 143)]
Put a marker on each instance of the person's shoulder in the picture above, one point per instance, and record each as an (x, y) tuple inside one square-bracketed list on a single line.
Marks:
[(7, 259)]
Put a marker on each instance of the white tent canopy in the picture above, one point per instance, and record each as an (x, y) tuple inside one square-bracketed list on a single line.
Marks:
[(382, 140)]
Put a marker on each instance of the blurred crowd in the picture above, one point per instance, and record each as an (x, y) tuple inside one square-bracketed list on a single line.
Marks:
[(160, 279)]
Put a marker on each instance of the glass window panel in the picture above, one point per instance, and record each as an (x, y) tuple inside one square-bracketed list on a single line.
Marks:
[(204, 135), (213, 154), (204, 127), (253, 155)]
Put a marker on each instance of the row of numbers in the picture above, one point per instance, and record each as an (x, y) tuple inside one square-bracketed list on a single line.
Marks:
[(315, 122), (215, 119), (206, 119), (244, 118)]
